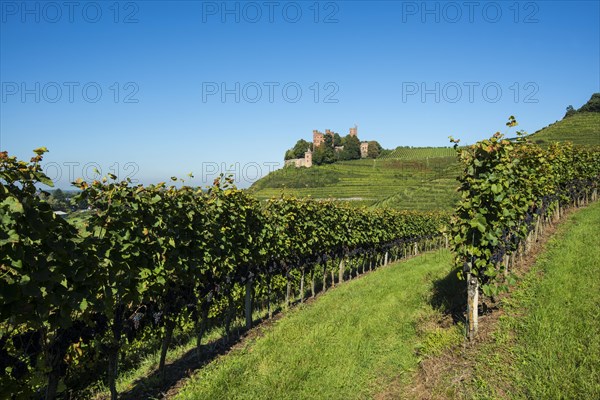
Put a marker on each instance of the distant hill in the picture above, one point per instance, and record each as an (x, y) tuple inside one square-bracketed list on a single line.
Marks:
[(580, 126), (411, 178), (412, 181)]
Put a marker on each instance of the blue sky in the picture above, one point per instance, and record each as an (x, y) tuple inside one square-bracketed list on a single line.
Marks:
[(153, 89)]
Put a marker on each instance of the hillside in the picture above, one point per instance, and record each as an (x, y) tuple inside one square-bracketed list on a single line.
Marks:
[(410, 178), (582, 126), (416, 153), (581, 129), (413, 182)]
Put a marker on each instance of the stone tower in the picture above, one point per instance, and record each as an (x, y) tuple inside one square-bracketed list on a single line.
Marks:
[(364, 149), (354, 131), (308, 158), (318, 138)]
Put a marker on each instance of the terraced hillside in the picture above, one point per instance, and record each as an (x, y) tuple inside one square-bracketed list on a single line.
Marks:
[(417, 153), (411, 178), (411, 183), (581, 128)]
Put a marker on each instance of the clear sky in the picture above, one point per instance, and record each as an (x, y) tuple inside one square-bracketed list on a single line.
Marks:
[(153, 89)]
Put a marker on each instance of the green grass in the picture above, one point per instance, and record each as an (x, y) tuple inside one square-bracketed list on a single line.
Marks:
[(351, 343), (581, 129), (548, 344), (184, 342), (416, 184)]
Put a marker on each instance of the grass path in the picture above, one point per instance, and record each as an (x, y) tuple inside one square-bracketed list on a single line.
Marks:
[(547, 346), (349, 344)]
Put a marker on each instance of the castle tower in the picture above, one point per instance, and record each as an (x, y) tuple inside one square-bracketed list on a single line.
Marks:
[(364, 149), (308, 158), (354, 131), (318, 138)]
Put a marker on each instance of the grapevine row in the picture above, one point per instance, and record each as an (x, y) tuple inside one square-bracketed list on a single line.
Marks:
[(154, 260), (510, 190)]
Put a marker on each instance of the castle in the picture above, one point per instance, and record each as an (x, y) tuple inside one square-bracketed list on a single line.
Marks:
[(318, 140)]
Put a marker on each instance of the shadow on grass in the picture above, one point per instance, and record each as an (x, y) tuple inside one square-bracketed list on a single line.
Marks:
[(151, 387), (450, 295)]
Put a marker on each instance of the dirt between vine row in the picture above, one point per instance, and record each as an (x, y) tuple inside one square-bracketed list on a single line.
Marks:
[(444, 376)]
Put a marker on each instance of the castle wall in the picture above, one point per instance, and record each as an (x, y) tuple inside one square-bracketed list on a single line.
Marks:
[(296, 162)]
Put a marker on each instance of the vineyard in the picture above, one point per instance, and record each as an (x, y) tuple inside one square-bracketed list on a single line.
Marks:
[(419, 184), (153, 259), (580, 129), (510, 191), (417, 153)]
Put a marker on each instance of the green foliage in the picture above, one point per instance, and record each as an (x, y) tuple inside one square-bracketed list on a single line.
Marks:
[(593, 104), (149, 258), (324, 154), (43, 287), (289, 155), (337, 139), (351, 148), (506, 187), (374, 149), (570, 111), (300, 148)]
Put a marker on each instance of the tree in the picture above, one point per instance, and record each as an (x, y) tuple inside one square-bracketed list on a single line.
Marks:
[(289, 154), (59, 195), (570, 111), (57, 200), (337, 139), (300, 148), (324, 154), (593, 105), (351, 148), (374, 149)]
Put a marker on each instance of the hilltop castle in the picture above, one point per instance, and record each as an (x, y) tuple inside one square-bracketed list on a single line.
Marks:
[(319, 140)]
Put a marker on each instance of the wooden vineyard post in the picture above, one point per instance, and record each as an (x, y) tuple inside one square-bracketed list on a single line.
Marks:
[(248, 303), (288, 290), (302, 285), (472, 306), (341, 271)]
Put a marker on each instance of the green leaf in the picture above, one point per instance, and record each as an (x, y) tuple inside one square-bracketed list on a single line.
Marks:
[(83, 305), (14, 205)]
